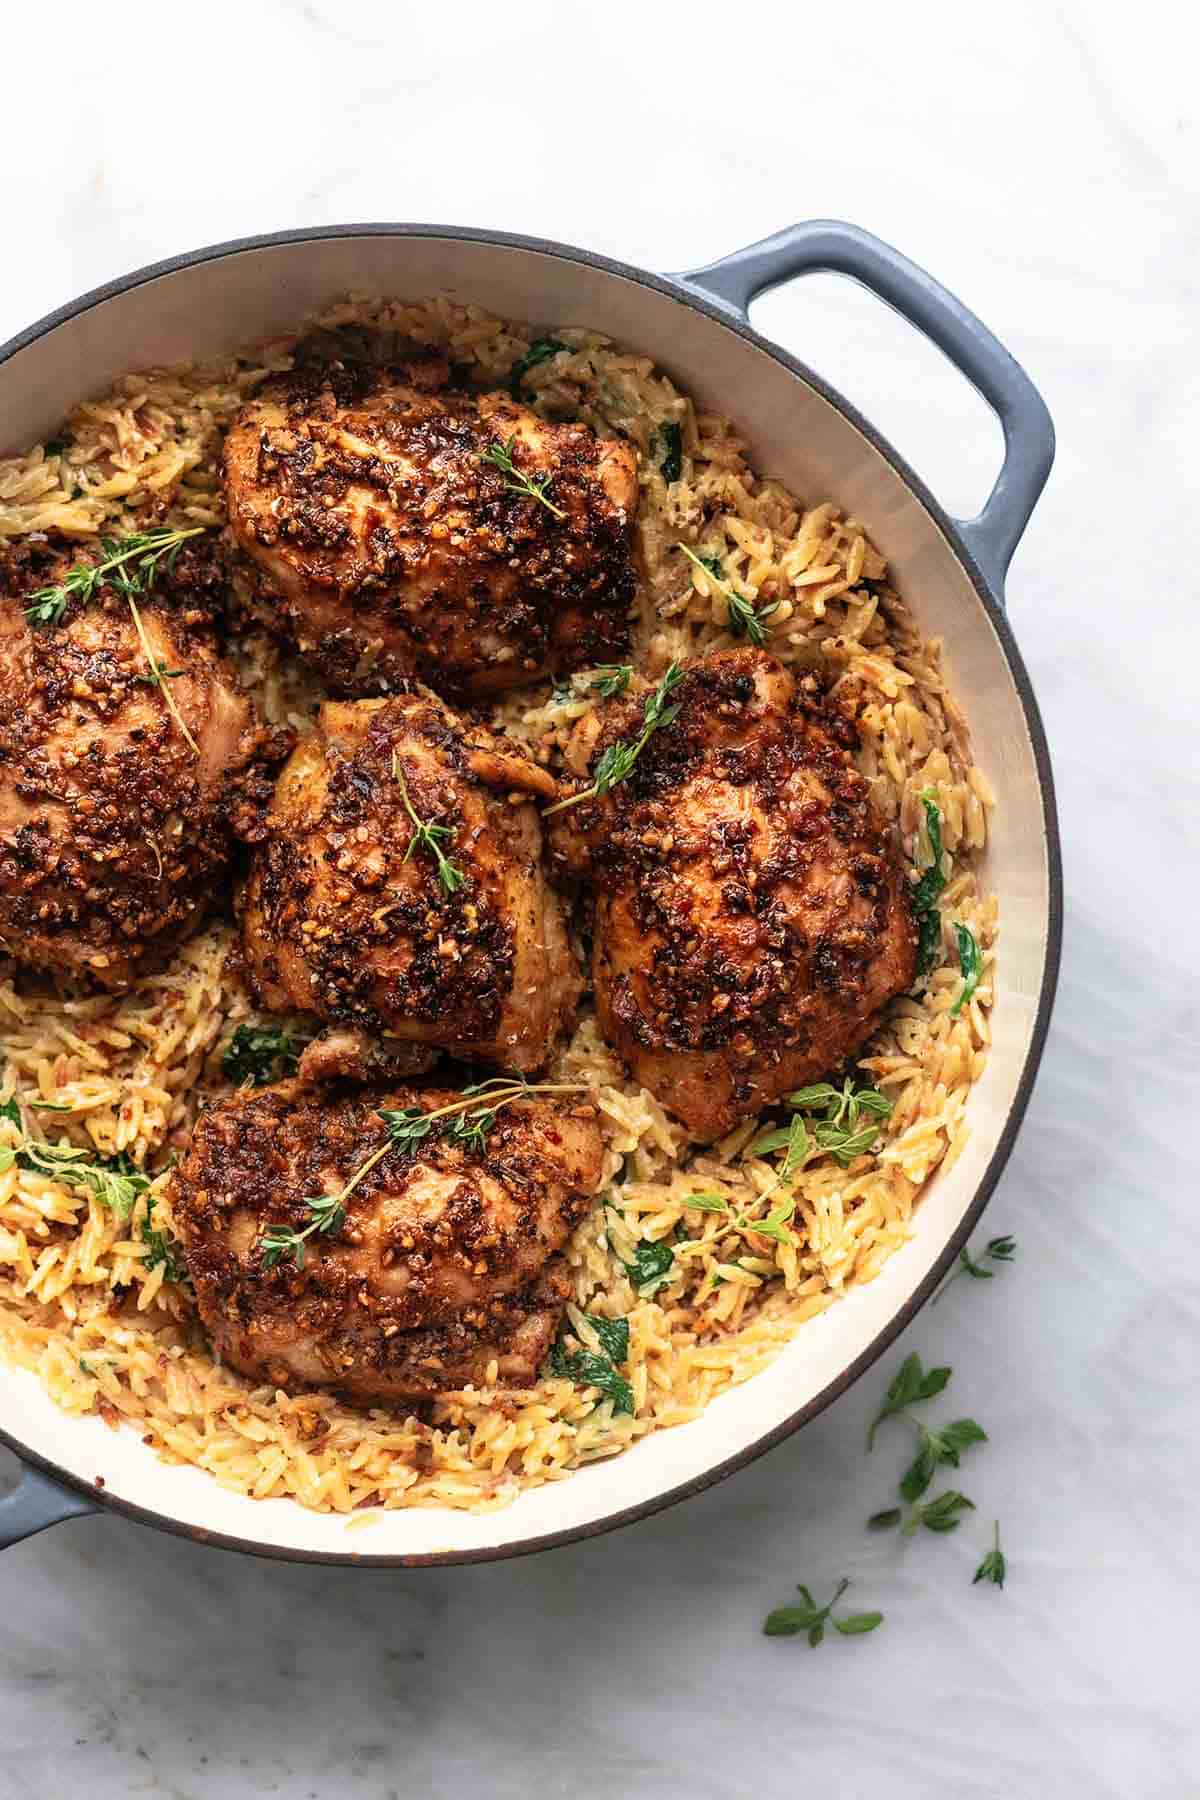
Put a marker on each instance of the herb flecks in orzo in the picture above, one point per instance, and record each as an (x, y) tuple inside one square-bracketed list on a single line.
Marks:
[(745, 619), (810, 1619)]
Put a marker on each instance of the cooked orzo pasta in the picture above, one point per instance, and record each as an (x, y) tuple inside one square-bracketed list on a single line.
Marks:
[(89, 1298)]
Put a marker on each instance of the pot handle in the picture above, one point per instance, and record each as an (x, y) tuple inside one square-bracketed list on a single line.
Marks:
[(828, 244), (35, 1503)]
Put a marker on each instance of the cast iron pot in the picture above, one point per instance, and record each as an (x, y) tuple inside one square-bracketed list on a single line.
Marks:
[(696, 325)]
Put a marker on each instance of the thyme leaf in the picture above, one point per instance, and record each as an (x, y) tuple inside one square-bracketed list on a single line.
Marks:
[(516, 481), (617, 762)]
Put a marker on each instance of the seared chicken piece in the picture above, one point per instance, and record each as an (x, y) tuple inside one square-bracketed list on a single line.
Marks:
[(752, 915), (445, 1259), (114, 829), (352, 912), (386, 546)]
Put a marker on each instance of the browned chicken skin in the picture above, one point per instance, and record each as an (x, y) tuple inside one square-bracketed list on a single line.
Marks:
[(114, 832), (345, 912), (752, 915), (446, 1259), (385, 547)]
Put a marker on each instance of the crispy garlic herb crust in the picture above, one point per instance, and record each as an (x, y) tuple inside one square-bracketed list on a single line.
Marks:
[(115, 829), (751, 912), (351, 911), (397, 526), (446, 1259)]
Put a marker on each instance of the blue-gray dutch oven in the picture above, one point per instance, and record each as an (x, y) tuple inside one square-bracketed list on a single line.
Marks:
[(952, 571)]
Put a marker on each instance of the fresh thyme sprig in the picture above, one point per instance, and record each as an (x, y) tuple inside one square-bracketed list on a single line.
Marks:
[(428, 837), (999, 1249), (993, 1567), (911, 1384), (745, 619), (517, 482), (811, 1619), (843, 1132), (130, 564), (618, 760), (407, 1126), (144, 550)]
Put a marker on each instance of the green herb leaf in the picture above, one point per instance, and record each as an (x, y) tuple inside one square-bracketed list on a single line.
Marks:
[(810, 1619), (993, 1567), (886, 1520), (428, 837), (540, 351), (10, 1109), (858, 1623), (970, 959), (667, 448), (588, 1368), (162, 1250), (613, 1335), (942, 1514), (653, 1267), (911, 1384), (255, 1051), (129, 564), (745, 620), (998, 1249), (926, 893), (327, 1214), (611, 679)]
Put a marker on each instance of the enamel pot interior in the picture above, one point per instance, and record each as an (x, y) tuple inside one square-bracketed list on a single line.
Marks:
[(797, 432)]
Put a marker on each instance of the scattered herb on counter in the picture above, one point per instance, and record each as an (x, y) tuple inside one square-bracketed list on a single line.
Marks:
[(911, 1385), (970, 959), (998, 1249), (745, 619), (993, 1567), (540, 351), (666, 446), (611, 679), (942, 1446), (926, 893), (811, 1619), (429, 838), (618, 760), (255, 1051), (516, 481), (940, 1514)]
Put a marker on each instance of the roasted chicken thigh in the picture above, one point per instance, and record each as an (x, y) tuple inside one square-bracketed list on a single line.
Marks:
[(115, 822), (442, 1260), (399, 887), (396, 527), (751, 912)]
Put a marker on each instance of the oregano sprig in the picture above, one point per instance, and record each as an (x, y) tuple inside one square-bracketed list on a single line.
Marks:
[(745, 619), (998, 1249)]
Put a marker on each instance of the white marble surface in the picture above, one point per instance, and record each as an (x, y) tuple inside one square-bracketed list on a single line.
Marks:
[(1045, 164)]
